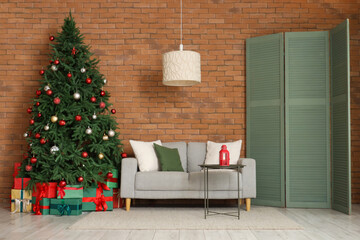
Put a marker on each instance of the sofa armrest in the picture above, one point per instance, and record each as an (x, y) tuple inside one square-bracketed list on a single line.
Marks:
[(248, 177), (128, 171)]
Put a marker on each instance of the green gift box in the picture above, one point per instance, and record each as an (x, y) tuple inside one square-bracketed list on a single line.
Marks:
[(98, 199), (41, 207), (70, 191), (66, 206), (114, 181)]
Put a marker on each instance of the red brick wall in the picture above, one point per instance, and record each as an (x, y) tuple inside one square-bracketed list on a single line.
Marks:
[(129, 37)]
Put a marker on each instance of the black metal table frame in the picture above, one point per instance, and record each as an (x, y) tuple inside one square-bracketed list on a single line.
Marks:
[(206, 167)]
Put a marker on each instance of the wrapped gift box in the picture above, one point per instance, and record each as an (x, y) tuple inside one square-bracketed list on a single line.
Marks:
[(66, 206), (41, 207), (20, 200), (117, 200), (98, 198), (113, 182), (17, 166), (21, 183), (45, 190), (70, 191)]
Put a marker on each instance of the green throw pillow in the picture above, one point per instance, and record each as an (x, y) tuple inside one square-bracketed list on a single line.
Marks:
[(169, 158)]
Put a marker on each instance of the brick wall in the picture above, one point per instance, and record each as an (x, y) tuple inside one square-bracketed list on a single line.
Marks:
[(129, 37)]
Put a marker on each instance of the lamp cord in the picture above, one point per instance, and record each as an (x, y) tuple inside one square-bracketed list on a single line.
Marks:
[(181, 45)]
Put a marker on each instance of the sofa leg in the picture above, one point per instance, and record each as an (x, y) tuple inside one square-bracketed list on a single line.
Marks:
[(128, 202), (248, 202)]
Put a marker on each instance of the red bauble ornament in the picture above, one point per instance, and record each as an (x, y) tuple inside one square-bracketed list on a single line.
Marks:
[(78, 118), (113, 111), (37, 104), (37, 135), (62, 183), (29, 110), (102, 105), (109, 175), (42, 72), (33, 160), (93, 99), (32, 121), (49, 92), (28, 168), (51, 61), (38, 92), (84, 154), (51, 38), (88, 80), (124, 155), (56, 62), (62, 123), (25, 156), (39, 115), (102, 93), (80, 179), (69, 75), (42, 141), (57, 100)]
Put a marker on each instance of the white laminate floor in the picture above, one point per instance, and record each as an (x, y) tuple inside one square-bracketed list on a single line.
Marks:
[(318, 224)]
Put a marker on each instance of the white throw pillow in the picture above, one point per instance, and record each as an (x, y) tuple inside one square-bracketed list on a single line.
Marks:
[(145, 155), (213, 149)]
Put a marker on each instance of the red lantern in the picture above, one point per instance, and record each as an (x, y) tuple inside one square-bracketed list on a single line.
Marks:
[(224, 156)]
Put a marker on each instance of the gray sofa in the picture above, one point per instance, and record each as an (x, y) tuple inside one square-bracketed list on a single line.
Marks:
[(188, 184)]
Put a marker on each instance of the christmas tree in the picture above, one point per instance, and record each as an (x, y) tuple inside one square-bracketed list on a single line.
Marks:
[(71, 135)]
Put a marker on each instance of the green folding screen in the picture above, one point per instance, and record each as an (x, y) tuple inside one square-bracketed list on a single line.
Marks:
[(265, 116), (307, 117), (340, 118)]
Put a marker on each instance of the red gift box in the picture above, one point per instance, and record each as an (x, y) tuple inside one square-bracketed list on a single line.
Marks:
[(45, 190), (21, 183), (117, 200), (17, 166)]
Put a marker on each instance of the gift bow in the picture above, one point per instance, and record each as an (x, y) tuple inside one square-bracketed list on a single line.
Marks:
[(61, 192), (62, 208), (24, 202), (43, 189), (100, 203), (36, 207), (102, 187)]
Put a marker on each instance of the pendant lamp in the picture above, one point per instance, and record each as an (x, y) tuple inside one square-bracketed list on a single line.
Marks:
[(181, 68)]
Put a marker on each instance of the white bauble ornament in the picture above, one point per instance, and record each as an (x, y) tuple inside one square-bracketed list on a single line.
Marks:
[(88, 131), (46, 88), (111, 133), (76, 96), (105, 80), (46, 127), (54, 68), (83, 70), (94, 116), (54, 149), (26, 135), (105, 137), (30, 144)]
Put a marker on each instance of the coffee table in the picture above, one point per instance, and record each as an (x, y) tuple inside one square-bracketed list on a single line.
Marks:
[(206, 168)]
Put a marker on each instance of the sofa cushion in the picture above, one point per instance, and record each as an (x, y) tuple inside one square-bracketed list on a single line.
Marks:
[(169, 158), (163, 181), (182, 148), (196, 155), (219, 180), (213, 148), (145, 155)]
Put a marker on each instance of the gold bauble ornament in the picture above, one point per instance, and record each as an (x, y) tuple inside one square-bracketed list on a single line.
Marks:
[(101, 156), (54, 119), (105, 137)]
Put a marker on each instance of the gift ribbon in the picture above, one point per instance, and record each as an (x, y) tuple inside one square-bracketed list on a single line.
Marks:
[(43, 190), (36, 207), (21, 204), (100, 203), (62, 208), (113, 180), (102, 187)]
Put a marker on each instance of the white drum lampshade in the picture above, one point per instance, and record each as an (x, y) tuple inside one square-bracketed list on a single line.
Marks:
[(181, 68)]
